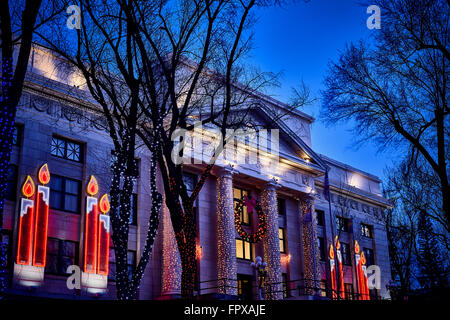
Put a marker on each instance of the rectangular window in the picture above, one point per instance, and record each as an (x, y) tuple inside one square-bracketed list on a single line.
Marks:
[(368, 253), (321, 246), (243, 249), (17, 135), (239, 194), (11, 183), (66, 194), (281, 206), (134, 209), (323, 288), (348, 291), (345, 251), (366, 230), (244, 286), (131, 264), (320, 218), (282, 239), (66, 149), (342, 224), (60, 255)]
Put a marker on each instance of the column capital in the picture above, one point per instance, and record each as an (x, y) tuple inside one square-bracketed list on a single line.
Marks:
[(272, 184), (226, 171)]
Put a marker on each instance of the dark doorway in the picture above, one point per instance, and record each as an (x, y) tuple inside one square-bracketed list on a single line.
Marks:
[(245, 290)]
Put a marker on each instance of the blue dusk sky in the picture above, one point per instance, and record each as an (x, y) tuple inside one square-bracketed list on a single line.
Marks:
[(300, 39)]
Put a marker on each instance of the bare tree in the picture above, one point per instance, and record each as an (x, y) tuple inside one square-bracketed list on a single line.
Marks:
[(18, 22), (396, 89)]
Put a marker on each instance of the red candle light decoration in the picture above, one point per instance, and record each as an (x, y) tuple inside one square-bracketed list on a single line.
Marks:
[(103, 237), (360, 260), (333, 272), (41, 221), (26, 223), (91, 228), (340, 268)]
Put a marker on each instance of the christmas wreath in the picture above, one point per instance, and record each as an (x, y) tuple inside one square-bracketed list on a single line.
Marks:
[(262, 226)]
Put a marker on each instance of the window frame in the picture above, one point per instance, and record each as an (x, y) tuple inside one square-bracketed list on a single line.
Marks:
[(11, 190), (17, 135), (367, 230), (282, 240), (64, 193), (244, 212), (66, 141), (321, 248), (345, 225), (250, 258), (346, 255), (371, 255), (281, 203), (320, 221), (76, 258)]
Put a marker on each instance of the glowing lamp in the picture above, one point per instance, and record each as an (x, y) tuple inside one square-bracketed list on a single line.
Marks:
[(92, 187), (104, 204), (28, 187), (44, 175)]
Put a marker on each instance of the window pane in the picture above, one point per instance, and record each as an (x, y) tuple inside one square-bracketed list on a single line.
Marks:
[(15, 138), (11, 186), (236, 193), (239, 249), (72, 186), (56, 184), (71, 203), (56, 200), (247, 250), (73, 151), (57, 147)]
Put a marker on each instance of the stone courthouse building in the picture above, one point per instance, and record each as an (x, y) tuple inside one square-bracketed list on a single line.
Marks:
[(55, 126)]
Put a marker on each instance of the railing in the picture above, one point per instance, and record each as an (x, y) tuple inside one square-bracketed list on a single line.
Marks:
[(292, 289)]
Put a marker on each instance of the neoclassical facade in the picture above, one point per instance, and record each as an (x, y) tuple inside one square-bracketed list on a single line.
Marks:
[(55, 126)]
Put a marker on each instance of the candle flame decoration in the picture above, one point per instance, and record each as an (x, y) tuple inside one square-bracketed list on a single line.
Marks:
[(336, 241), (28, 187), (44, 174), (356, 247), (363, 259), (92, 187), (331, 252), (104, 204)]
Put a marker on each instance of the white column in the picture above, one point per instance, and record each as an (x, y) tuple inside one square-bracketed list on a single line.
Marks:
[(171, 261), (272, 254), (226, 234)]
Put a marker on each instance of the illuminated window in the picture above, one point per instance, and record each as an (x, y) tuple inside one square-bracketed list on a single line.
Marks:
[(11, 183), (244, 286), (281, 206), (243, 249), (237, 195), (366, 230), (320, 218), (60, 255), (66, 149), (321, 246), (66, 194), (323, 288), (282, 239), (342, 224)]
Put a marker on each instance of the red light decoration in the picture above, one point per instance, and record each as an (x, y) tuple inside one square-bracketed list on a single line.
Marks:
[(28, 187), (90, 235), (363, 287), (340, 267), (92, 187), (44, 175), (333, 272), (41, 226), (103, 244), (260, 229), (104, 204)]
